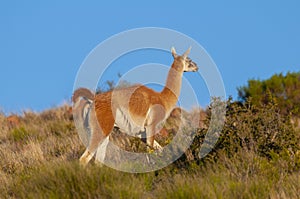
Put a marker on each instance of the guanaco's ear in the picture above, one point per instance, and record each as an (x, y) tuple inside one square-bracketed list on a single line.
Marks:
[(173, 52), (187, 52)]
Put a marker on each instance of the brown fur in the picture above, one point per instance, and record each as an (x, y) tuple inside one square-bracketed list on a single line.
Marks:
[(138, 105), (87, 123), (82, 92)]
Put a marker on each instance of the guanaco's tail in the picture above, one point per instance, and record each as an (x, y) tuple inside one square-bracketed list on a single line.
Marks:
[(82, 106), (82, 92)]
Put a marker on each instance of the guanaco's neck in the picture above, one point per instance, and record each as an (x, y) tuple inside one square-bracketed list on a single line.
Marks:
[(171, 91)]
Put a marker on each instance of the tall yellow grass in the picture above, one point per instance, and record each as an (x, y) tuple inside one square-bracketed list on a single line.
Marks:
[(39, 159)]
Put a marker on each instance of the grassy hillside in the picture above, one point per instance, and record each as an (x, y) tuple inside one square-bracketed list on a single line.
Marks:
[(256, 156)]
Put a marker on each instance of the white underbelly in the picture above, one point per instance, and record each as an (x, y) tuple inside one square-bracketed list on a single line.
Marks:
[(127, 124)]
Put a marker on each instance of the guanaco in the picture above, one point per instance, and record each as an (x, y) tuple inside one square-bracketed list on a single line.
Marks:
[(137, 108), (85, 120)]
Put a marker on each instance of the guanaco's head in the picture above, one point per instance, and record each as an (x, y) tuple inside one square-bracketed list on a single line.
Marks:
[(183, 62)]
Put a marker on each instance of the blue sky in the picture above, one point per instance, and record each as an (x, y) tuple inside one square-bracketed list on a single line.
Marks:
[(44, 43)]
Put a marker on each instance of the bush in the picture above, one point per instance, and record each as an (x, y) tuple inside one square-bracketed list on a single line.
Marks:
[(285, 89), (262, 131)]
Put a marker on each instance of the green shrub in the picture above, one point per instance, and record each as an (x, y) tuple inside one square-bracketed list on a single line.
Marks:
[(19, 134), (262, 131)]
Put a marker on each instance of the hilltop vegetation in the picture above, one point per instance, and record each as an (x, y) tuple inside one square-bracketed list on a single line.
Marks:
[(256, 156), (284, 89)]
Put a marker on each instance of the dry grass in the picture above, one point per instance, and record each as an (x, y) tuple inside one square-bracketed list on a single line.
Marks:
[(39, 159)]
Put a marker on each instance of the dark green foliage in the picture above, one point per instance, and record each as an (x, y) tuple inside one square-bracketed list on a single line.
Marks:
[(250, 129), (283, 89)]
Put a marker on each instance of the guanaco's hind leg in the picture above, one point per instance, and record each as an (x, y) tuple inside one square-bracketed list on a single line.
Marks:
[(97, 137), (86, 157), (91, 150)]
